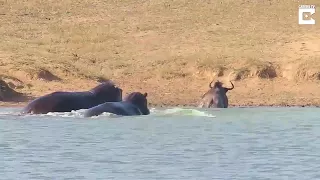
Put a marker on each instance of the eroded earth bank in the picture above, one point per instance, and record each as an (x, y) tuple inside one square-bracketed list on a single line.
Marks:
[(171, 49)]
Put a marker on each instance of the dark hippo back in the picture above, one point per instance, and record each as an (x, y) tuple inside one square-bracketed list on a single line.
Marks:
[(133, 104), (107, 92), (68, 101), (119, 108)]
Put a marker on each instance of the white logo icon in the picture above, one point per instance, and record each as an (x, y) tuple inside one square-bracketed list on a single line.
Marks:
[(305, 13)]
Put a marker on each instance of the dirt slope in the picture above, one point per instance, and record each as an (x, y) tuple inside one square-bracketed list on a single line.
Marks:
[(171, 49)]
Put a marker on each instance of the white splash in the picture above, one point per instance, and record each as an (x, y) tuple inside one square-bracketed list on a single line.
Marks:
[(181, 111), (176, 111)]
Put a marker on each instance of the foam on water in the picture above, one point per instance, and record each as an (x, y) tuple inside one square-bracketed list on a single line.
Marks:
[(153, 112), (9, 111), (181, 112)]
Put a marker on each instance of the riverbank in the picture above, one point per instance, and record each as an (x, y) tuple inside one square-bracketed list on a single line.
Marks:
[(170, 49), (247, 93)]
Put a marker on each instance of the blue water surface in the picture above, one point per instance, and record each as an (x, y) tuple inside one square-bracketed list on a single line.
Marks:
[(172, 143)]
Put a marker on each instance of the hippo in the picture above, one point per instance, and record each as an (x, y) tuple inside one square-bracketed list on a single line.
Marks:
[(216, 97), (68, 101), (133, 104)]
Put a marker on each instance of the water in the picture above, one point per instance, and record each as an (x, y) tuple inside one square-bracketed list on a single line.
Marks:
[(234, 143)]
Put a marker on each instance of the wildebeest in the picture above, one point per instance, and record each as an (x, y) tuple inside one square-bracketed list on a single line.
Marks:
[(133, 104), (216, 97), (68, 101)]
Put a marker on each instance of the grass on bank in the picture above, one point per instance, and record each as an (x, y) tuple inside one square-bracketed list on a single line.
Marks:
[(153, 41)]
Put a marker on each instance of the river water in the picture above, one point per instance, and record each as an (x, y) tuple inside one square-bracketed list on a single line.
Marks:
[(175, 143)]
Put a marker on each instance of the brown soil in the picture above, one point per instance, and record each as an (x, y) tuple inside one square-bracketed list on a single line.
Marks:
[(170, 49)]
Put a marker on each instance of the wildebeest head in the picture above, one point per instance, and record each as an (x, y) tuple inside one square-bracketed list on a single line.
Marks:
[(216, 96), (219, 85), (140, 100), (107, 92)]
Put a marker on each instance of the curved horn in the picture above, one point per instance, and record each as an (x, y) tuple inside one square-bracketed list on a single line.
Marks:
[(231, 87), (211, 84)]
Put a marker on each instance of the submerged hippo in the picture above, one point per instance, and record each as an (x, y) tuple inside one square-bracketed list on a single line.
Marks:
[(133, 104), (68, 101), (216, 97)]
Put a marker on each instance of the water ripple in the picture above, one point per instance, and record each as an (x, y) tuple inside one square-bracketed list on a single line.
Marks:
[(239, 143)]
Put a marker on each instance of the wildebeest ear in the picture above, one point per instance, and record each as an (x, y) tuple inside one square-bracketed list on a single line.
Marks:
[(145, 94)]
